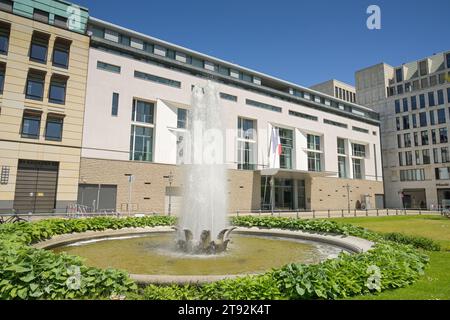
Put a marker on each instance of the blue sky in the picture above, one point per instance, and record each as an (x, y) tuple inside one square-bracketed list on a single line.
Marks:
[(305, 42)]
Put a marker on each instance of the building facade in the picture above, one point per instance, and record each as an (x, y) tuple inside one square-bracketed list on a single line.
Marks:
[(413, 101), (137, 101), (43, 71), (338, 89)]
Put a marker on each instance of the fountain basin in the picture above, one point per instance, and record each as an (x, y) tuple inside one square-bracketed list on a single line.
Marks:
[(283, 246)]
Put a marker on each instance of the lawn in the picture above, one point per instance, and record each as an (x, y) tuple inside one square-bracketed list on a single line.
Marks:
[(435, 284)]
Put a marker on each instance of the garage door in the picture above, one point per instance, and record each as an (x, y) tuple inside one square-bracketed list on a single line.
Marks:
[(36, 185)]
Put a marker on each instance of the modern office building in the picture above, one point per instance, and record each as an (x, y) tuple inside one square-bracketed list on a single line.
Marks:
[(43, 70), (413, 101), (137, 101), (338, 89)]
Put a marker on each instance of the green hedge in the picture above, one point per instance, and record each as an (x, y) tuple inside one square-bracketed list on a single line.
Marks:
[(29, 273)]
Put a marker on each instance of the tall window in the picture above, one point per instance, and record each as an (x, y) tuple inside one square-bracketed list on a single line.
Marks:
[(405, 122), (342, 166), (314, 155), (54, 128), (39, 47), (397, 123), (424, 136), (423, 119), (448, 60), (359, 150), (399, 141), (431, 102), (141, 143), (405, 104), (35, 85), (287, 145), (31, 125), (440, 95), (58, 86), (115, 104), (414, 120), (61, 53), (432, 121), (340, 146), (397, 106), (143, 111), (441, 116), (246, 141), (417, 152), (436, 155), (416, 139), (413, 102), (407, 139), (442, 173), (182, 118), (399, 75), (4, 38), (357, 169), (408, 158), (2, 76), (433, 136), (426, 156), (443, 138), (422, 101), (444, 154), (400, 159)]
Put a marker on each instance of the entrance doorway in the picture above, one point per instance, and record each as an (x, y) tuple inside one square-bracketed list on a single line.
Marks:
[(98, 197), (414, 199), (36, 186), (443, 194), (288, 194)]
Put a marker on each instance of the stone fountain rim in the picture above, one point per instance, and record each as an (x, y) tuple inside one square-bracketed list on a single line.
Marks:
[(349, 243)]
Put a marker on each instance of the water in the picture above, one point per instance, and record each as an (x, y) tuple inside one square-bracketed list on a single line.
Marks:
[(155, 254), (204, 204)]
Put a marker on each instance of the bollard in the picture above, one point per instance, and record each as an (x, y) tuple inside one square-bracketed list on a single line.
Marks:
[(260, 212), (367, 213), (420, 211), (387, 211), (342, 213), (297, 214), (378, 214), (314, 214), (329, 213), (355, 213), (237, 213)]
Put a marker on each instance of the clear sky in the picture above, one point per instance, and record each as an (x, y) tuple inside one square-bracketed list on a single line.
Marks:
[(305, 42)]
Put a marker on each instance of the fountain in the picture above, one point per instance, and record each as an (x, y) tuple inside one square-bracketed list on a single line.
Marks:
[(203, 228)]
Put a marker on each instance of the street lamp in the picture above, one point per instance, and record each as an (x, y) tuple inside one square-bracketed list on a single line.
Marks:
[(130, 181), (170, 178)]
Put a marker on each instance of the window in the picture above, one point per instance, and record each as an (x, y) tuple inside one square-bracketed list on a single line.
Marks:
[(287, 145), (448, 60), (423, 68), (415, 85), (35, 85), (436, 155), (302, 115), (31, 125), (433, 136), (53, 128), (440, 94), (413, 102), (108, 67), (157, 79), (40, 15), (432, 121), (397, 106), (433, 80), (224, 71), (431, 102), (408, 87), (335, 123), (423, 119), (444, 154), (390, 91), (397, 123), (359, 150), (58, 86), (399, 75), (340, 146), (314, 161), (400, 159), (141, 143), (229, 97), (197, 62), (412, 175), (357, 169), (399, 141), (417, 152), (405, 104), (360, 129), (6, 5), (2, 76), (61, 53), (424, 83), (39, 46), (424, 136), (4, 38), (405, 122), (126, 41), (142, 111), (442, 173), (342, 167), (408, 158), (407, 139), (441, 116), (262, 105), (246, 144), (414, 120), (60, 22), (400, 89), (422, 101), (115, 104), (182, 118), (443, 138), (448, 93), (416, 139), (313, 142), (426, 156)]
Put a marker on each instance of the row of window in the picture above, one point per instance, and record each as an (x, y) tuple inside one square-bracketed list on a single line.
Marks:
[(39, 47), (31, 126), (407, 143), (422, 69), (404, 123), (417, 85), (344, 94), (419, 174), (423, 157), (404, 104)]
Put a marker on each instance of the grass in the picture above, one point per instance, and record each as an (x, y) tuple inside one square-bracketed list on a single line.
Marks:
[(435, 284)]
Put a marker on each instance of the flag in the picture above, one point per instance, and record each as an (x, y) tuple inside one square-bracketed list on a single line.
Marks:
[(275, 149)]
